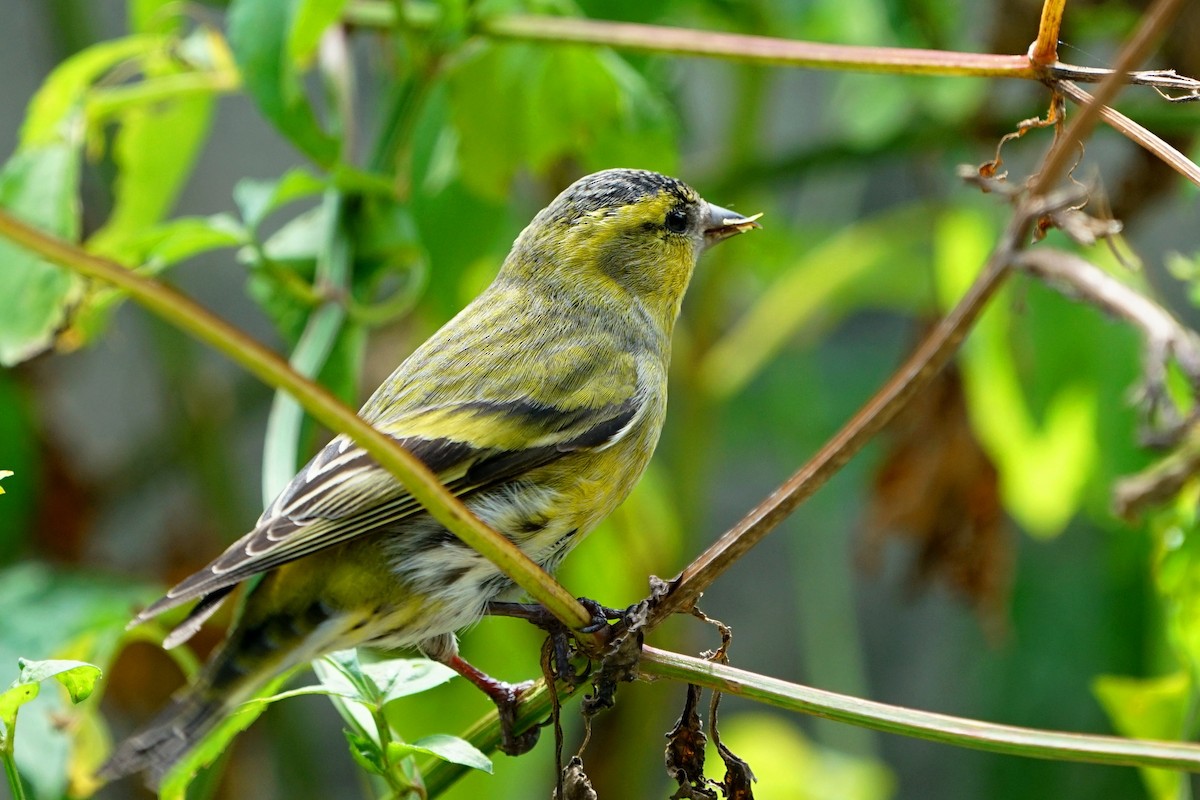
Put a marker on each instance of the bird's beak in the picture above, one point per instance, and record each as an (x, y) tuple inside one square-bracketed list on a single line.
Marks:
[(723, 223)]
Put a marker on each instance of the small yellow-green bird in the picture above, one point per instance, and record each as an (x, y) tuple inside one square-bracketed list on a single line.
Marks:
[(539, 405)]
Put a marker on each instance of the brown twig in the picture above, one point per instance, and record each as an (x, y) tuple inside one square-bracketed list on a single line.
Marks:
[(1137, 133), (1064, 151), (1165, 338), (1044, 50), (1161, 481)]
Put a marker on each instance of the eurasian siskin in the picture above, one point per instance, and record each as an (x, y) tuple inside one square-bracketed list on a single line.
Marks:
[(539, 404)]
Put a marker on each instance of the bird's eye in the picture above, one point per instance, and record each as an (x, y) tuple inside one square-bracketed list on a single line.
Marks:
[(677, 220)]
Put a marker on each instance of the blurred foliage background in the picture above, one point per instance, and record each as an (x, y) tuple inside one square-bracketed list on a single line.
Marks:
[(339, 195)]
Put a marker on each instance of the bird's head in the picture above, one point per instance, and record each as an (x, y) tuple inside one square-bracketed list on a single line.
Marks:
[(641, 230)]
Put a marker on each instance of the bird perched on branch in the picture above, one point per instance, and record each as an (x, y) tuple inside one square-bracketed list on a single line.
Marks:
[(539, 405)]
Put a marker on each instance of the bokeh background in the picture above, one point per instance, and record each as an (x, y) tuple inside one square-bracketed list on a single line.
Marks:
[(967, 562)]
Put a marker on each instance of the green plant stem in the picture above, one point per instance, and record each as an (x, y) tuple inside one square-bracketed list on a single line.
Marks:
[(324, 407), (8, 756), (1008, 739)]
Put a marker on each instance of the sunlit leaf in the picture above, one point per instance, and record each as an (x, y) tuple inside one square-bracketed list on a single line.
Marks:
[(78, 677), (1148, 708), (447, 748), (309, 21), (784, 760), (154, 150), (1044, 464), (12, 698), (61, 95), (4, 473)]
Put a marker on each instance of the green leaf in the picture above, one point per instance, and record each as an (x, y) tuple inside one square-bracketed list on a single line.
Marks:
[(342, 674), (182, 238), (61, 95), (807, 290), (1148, 708), (4, 473), (39, 186), (154, 150), (365, 752), (785, 759), (79, 677), (258, 33), (561, 102), (256, 199), (1044, 463), (13, 698), (310, 19), (444, 747), (154, 16), (64, 615), (401, 677)]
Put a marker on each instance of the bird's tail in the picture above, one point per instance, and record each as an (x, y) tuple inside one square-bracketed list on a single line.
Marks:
[(175, 731), (254, 653)]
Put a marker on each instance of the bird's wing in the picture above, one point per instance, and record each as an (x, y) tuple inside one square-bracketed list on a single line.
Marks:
[(342, 493)]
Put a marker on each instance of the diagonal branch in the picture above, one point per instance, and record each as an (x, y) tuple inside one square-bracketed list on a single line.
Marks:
[(1010, 739), (1136, 133), (187, 315), (912, 376), (932, 354)]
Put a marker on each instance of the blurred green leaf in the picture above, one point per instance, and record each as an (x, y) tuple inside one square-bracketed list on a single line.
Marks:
[(808, 289), (37, 185), (60, 615), (561, 103), (11, 700), (78, 677), (179, 239), (259, 31), (257, 199), (309, 20), (784, 760), (154, 150), (153, 16), (447, 748), (1044, 464), (1148, 708), (60, 98)]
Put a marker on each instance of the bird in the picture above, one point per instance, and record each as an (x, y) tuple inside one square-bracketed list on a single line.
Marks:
[(538, 405)]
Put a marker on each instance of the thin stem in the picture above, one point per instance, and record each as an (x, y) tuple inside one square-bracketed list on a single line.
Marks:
[(1066, 147), (958, 731), (8, 756), (1154, 143), (666, 40), (324, 407), (1044, 51)]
